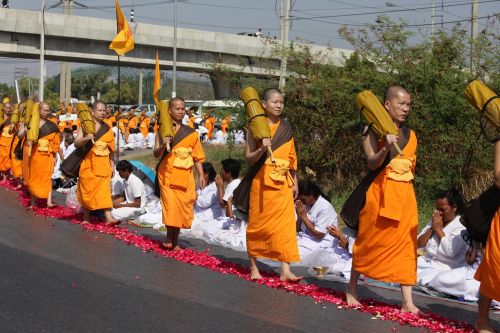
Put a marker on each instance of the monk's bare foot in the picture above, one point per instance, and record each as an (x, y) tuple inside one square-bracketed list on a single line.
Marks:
[(178, 248), (484, 326), (412, 309), (50, 205), (290, 277), (112, 223), (351, 296), (255, 274), (168, 245), (85, 223), (18, 187)]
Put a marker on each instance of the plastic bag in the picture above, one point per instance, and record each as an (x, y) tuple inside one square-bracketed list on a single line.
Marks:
[(72, 200)]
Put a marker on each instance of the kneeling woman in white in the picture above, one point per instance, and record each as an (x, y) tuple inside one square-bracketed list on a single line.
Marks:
[(442, 238), (131, 203), (228, 231), (206, 207), (338, 258), (460, 282), (315, 214)]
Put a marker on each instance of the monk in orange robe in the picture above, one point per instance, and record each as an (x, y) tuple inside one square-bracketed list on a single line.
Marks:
[(224, 125), (488, 272), (6, 138), (132, 121), (209, 125), (144, 122), (17, 165), (271, 231), (386, 246), (43, 157), (175, 174), (96, 169)]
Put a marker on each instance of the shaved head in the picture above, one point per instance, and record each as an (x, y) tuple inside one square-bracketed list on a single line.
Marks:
[(393, 91), (269, 92)]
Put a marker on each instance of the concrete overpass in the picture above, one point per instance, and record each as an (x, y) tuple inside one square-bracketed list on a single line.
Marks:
[(84, 39)]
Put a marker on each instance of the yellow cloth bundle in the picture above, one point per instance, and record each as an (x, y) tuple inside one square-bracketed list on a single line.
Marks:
[(375, 114), (165, 121), (485, 101), (26, 114), (256, 115), (14, 119), (34, 123), (86, 118)]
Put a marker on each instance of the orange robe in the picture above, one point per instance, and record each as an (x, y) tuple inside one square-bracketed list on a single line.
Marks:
[(271, 231), (177, 185), (209, 125), (41, 165), (25, 163), (386, 246), (191, 122), (5, 145), (144, 126), (488, 272), (62, 125), (224, 125), (17, 165), (94, 181)]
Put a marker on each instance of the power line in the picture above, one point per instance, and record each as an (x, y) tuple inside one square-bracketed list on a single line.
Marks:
[(403, 24), (388, 11)]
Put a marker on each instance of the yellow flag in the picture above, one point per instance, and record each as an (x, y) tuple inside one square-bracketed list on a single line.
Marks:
[(124, 40), (156, 88)]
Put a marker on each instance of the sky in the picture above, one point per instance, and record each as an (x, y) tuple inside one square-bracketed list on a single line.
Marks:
[(315, 21)]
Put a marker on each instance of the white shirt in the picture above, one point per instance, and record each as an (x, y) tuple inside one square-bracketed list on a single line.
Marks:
[(139, 140), (134, 188), (321, 214), (206, 207), (131, 140), (450, 251), (68, 150), (150, 140), (116, 184), (119, 136), (228, 192)]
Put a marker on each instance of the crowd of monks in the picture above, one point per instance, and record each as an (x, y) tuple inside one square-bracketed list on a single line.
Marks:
[(385, 248)]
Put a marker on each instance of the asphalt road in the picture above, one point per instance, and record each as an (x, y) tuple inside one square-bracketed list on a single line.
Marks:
[(57, 277)]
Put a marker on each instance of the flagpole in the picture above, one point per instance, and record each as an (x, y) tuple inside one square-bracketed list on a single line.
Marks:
[(119, 106)]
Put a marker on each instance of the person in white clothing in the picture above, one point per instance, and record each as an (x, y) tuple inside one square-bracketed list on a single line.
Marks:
[(130, 141), (459, 282), (315, 214), (119, 138), (133, 200), (442, 238), (219, 138), (150, 138), (206, 207), (139, 139), (338, 258), (229, 231)]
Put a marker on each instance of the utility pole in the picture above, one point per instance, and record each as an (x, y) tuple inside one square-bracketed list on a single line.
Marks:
[(42, 53), (65, 77), (174, 60), (141, 78), (473, 30), (285, 27), (433, 16)]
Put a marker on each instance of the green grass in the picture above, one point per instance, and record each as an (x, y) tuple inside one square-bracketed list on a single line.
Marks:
[(216, 153)]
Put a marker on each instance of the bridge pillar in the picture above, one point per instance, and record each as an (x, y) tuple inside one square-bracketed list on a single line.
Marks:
[(225, 87)]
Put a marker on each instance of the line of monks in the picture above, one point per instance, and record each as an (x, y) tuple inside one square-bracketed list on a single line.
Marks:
[(386, 245)]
